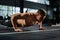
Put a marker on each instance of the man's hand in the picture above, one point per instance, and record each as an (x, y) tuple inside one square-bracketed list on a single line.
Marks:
[(18, 30), (41, 26)]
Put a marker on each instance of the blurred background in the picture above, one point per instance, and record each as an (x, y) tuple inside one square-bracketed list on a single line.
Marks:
[(52, 21)]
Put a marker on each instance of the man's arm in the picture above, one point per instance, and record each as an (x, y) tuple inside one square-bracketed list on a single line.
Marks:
[(41, 24), (14, 23)]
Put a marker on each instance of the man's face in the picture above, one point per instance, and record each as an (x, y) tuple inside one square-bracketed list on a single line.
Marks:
[(38, 16)]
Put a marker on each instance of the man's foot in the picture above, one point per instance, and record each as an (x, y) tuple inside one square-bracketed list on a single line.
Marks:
[(42, 28), (18, 30)]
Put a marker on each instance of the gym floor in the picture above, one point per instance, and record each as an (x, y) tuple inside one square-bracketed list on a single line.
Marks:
[(30, 33)]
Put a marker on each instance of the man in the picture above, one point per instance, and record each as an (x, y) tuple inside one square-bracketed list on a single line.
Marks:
[(28, 19)]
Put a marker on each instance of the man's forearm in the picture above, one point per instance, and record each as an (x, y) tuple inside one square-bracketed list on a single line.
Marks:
[(40, 25)]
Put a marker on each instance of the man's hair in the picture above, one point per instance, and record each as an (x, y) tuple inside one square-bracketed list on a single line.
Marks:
[(42, 12)]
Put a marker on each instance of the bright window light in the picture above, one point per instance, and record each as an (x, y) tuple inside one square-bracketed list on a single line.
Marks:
[(40, 1)]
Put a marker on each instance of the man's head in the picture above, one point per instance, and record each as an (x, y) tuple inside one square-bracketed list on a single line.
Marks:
[(40, 14)]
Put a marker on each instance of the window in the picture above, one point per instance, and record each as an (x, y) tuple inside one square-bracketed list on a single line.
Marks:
[(54, 9), (25, 9), (8, 10), (17, 10), (47, 2), (30, 10)]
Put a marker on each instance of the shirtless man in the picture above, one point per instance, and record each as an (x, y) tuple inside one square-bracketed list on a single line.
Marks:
[(28, 19)]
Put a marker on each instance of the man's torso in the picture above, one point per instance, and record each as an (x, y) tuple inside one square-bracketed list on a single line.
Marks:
[(26, 20)]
